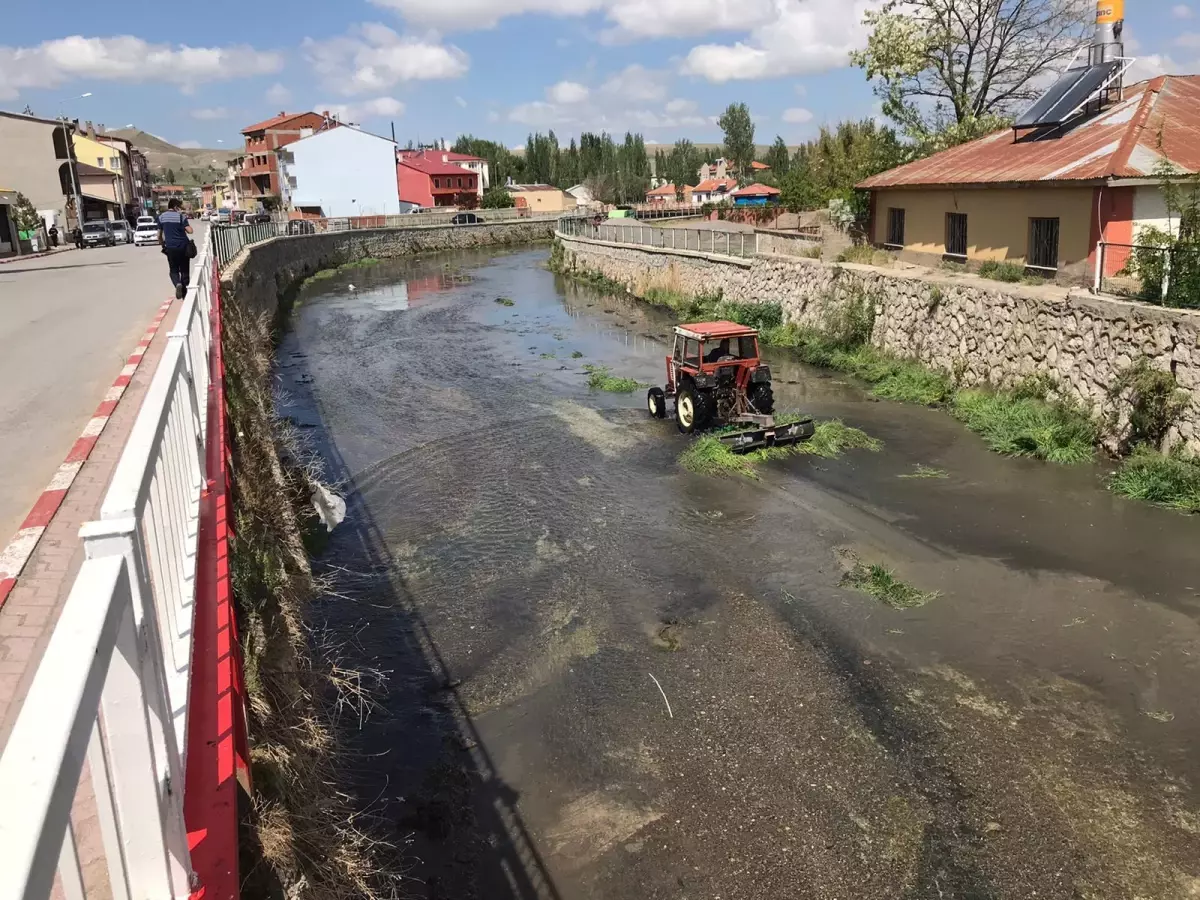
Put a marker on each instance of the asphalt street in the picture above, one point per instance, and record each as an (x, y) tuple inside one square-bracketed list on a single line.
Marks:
[(67, 323)]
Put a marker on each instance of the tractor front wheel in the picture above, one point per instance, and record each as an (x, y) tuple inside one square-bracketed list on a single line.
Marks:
[(692, 409), (656, 403), (762, 398)]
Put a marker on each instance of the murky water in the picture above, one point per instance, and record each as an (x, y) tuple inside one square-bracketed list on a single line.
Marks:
[(608, 677)]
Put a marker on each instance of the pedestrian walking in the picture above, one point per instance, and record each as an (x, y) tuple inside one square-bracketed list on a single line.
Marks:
[(173, 231), (77, 237), (53, 235)]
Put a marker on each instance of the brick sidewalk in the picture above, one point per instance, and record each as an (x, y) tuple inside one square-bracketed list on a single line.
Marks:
[(32, 608)]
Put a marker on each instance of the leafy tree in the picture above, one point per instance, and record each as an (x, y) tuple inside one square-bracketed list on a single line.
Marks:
[(739, 137), (502, 163), (684, 160), (961, 66), (828, 167), (497, 197), (170, 176), (778, 158), (25, 216)]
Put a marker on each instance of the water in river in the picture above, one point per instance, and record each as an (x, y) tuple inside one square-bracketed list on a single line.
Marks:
[(605, 676)]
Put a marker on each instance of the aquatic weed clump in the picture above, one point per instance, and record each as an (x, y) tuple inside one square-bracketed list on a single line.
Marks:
[(708, 456), (881, 583), (600, 378)]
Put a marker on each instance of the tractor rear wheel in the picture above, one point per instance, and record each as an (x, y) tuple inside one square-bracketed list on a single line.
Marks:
[(693, 409), (656, 403), (762, 398)]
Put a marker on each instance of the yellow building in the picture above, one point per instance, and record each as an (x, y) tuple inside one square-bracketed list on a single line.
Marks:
[(1045, 196), (540, 197), (99, 155)]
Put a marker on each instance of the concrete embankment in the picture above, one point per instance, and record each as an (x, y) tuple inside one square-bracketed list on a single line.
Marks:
[(982, 332)]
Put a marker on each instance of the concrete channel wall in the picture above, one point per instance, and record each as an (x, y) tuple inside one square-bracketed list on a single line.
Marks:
[(981, 331), (261, 273)]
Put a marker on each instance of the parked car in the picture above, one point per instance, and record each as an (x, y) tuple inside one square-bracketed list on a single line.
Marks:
[(147, 220), (223, 216), (146, 234), (299, 226), (98, 234), (466, 218), (122, 233), (256, 218)]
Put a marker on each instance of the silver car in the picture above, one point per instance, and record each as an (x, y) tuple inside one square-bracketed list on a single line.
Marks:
[(122, 233)]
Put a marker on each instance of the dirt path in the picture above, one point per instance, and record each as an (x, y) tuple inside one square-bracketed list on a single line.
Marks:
[(539, 580)]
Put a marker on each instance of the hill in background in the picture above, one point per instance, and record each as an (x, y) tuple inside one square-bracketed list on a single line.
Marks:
[(191, 166)]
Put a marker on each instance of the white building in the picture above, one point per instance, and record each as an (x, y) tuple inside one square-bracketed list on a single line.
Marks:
[(343, 171)]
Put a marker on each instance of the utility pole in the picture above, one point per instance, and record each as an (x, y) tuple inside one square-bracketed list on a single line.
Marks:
[(70, 144)]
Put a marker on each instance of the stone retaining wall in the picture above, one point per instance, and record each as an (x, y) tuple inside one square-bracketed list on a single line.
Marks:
[(979, 330), (261, 273)]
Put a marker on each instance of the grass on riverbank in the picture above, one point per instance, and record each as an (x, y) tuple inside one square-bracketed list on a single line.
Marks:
[(601, 379), (1171, 480), (706, 455)]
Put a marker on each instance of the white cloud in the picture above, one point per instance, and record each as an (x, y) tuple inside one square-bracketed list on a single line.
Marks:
[(278, 94), (637, 84), (373, 57), (801, 90), (797, 115), (460, 101), (1181, 11), (567, 92), (634, 98), (1150, 66), (128, 59), (472, 14), (188, 145), (805, 37), (210, 114), (360, 111)]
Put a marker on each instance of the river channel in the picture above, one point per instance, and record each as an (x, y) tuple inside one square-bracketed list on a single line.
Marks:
[(603, 676)]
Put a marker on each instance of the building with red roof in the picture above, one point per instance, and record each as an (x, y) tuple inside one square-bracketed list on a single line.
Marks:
[(258, 177), (666, 193), (755, 195), (713, 190), (464, 160), (1044, 197), (426, 180)]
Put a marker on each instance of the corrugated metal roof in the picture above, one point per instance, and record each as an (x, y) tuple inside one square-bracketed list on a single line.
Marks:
[(1156, 119)]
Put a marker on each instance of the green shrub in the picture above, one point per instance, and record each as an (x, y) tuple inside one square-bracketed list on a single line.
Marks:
[(810, 252), (708, 456), (1014, 426), (882, 584), (1002, 271), (857, 253), (1155, 403), (1168, 479)]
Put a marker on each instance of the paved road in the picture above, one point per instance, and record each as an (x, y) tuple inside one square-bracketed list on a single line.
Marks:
[(67, 323)]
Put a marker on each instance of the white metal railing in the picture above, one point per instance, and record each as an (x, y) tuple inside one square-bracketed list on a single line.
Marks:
[(227, 240), (114, 683), (717, 242)]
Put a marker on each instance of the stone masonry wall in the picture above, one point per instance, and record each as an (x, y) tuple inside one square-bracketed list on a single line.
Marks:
[(978, 330), (261, 273)]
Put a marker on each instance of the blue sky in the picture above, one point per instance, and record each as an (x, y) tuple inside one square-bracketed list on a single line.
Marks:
[(494, 68)]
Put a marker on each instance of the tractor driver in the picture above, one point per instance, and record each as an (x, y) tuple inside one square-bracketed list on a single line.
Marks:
[(722, 349)]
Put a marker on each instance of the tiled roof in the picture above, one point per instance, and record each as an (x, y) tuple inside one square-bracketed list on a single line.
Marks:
[(432, 166), (663, 190), (716, 184), (759, 166), (461, 157), (274, 121), (1158, 119), (756, 190), (525, 188)]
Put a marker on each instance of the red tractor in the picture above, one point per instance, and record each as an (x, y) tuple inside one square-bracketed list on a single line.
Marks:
[(716, 379)]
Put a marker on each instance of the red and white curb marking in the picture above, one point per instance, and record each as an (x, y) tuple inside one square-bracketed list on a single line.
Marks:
[(18, 551)]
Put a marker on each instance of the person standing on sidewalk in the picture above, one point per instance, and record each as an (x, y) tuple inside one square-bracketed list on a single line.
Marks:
[(173, 231), (77, 237)]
